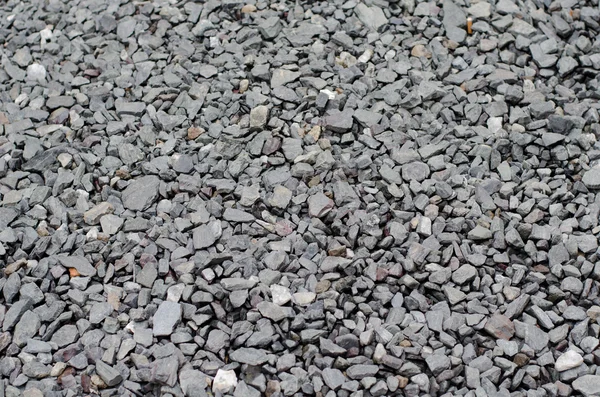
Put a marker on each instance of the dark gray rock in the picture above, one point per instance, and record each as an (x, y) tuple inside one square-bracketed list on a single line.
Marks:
[(109, 375), (80, 263)]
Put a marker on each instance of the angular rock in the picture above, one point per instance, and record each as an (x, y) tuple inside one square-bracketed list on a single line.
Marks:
[(166, 318), (141, 193)]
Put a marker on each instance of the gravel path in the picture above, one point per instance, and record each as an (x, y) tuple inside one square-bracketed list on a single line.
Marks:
[(316, 198)]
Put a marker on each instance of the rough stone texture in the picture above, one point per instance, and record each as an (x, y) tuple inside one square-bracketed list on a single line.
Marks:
[(165, 318), (141, 193), (299, 198), (568, 360), (587, 385)]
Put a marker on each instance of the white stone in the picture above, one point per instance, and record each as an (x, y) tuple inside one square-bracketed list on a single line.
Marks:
[(280, 294), (174, 292), (225, 381), (35, 71), (494, 124), (304, 298), (366, 56), (379, 353), (330, 94), (568, 360), (64, 159), (424, 227)]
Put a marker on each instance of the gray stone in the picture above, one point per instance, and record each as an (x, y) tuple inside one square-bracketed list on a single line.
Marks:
[(206, 235), (193, 383), (99, 312), (235, 215), (333, 378), (340, 122), (454, 19), (587, 385), (14, 313), (109, 375), (166, 318), (66, 335), (141, 193), (237, 284), (56, 102), (272, 311), (464, 274), (533, 336), (80, 263), (361, 371), (373, 17), (130, 108), (480, 233), (270, 28), (36, 370), (591, 178), (147, 275), (216, 340), (283, 76), (111, 224), (415, 171), (249, 356), (26, 328), (319, 205), (437, 363)]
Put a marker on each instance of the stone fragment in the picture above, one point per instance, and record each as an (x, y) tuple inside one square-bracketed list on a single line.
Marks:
[(206, 235), (80, 263), (258, 118), (141, 193), (166, 318), (319, 205), (225, 381), (373, 16), (500, 327), (109, 375), (569, 359), (587, 385), (93, 215), (249, 356), (591, 178)]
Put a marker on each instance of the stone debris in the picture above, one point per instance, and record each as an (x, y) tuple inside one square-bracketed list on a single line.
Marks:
[(299, 198)]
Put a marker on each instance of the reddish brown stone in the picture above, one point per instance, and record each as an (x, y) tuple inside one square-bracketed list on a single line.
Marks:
[(500, 327), (194, 132), (521, 359)]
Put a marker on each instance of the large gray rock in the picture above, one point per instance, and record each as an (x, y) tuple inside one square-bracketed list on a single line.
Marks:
[(373, 17), (249, 356), (454, 19), (533, 336), (333, 378), (141, 193), (206, 235), (166, 318), (26, 328), (591, 178), (81, 264), (109, 375), (587, 385)]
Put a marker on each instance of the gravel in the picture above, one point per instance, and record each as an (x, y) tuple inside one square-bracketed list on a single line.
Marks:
[(323, 198)]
